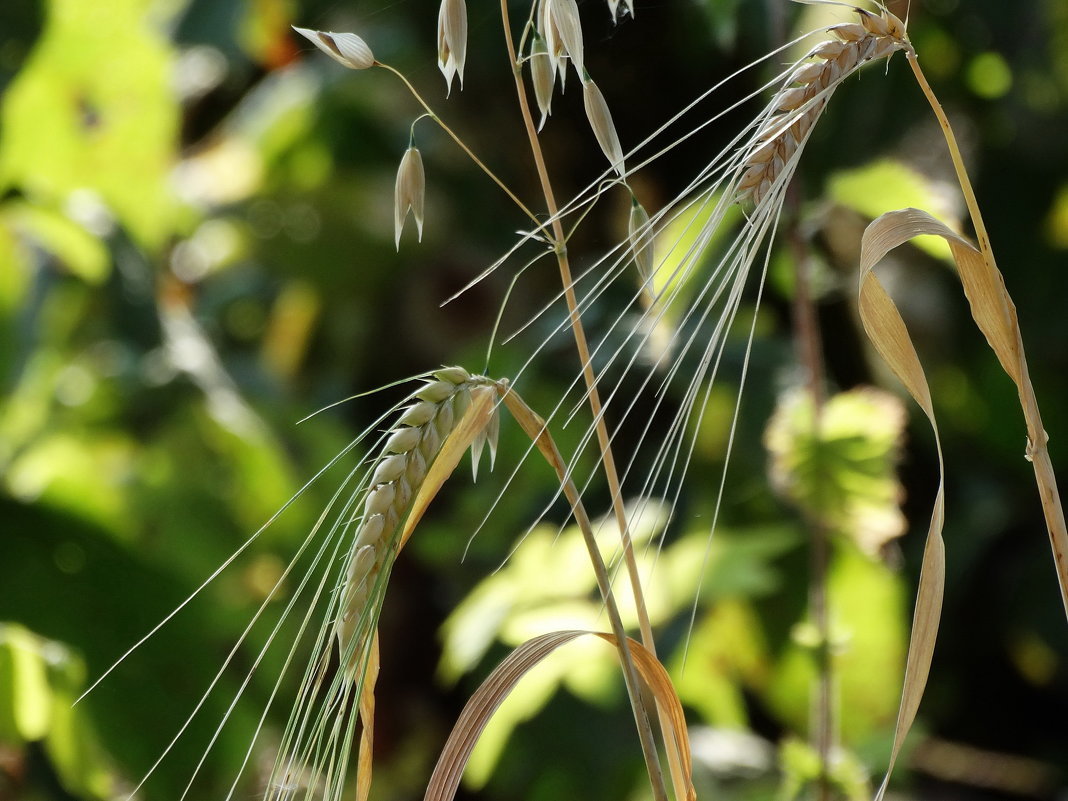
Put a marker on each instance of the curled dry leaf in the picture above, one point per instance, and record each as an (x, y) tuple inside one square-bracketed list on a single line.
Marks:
[(495, 689), (345, 48), (887, 332)]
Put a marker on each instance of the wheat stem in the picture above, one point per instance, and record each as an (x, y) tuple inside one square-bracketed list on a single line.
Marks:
[(538, 431), (590, 379), (470, 154), (581, 343), (1037, 451)]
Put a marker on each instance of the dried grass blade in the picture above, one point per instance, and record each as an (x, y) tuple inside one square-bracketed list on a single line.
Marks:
[(886, 330), (495, 689), (987, 286), (656, 678), (995, 315), (364, 760), (474, 420)]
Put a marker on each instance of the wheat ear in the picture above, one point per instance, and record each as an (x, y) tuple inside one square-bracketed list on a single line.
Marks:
[(398, 474), (795, 109)]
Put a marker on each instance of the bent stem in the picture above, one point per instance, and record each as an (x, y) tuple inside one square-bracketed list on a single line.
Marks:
[(536, 428), (1037, 452), (460, 142)]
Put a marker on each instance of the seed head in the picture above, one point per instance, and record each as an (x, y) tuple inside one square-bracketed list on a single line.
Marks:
[(452, 40), (409, 193), (543, 76), (601, 121), (345, 48), (797, 106), (640, 236), (562, 29)]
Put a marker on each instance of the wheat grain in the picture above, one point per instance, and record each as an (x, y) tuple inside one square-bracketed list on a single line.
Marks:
[(397, 476), (795, 109)]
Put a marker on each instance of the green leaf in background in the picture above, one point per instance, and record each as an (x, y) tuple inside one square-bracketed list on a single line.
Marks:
[(867, 600), (92, 111), (801, 768), (886, 184), (39, 682), (840, 471), (77, 249), (23, 686)]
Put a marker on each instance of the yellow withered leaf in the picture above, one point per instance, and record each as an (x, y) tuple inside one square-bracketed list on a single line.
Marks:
[(491, 694), (476, 417), (995, 315)]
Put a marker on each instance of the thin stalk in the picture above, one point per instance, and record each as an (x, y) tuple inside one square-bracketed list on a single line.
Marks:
[(470, 154), (1037, 438), (538, 432), (589, 377), (581, 344), (810, 353)]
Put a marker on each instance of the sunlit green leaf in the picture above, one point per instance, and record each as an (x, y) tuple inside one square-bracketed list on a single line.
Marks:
[(867, 600), (73, 246), (840, 469), (92, 110), (24, 683), (887, 184), (726, 655)]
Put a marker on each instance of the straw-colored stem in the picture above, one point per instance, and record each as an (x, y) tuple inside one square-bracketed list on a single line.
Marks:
[(1036, 433), (590, 379), (538, 431), (575, 320), (470, 154)]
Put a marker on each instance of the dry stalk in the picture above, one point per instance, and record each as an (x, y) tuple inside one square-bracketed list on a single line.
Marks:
[(590, 380)]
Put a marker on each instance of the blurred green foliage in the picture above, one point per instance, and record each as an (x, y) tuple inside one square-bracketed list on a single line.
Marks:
[(196, 252)]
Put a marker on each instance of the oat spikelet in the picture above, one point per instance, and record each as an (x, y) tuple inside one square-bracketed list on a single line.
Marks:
[(452, 41), (601, 122), (345, 48), (796, 107), (409, 193), (560, 26), (543, 76), (406, 457)]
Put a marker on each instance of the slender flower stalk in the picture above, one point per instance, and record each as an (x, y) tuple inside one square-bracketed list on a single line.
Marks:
[(656, 777)]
